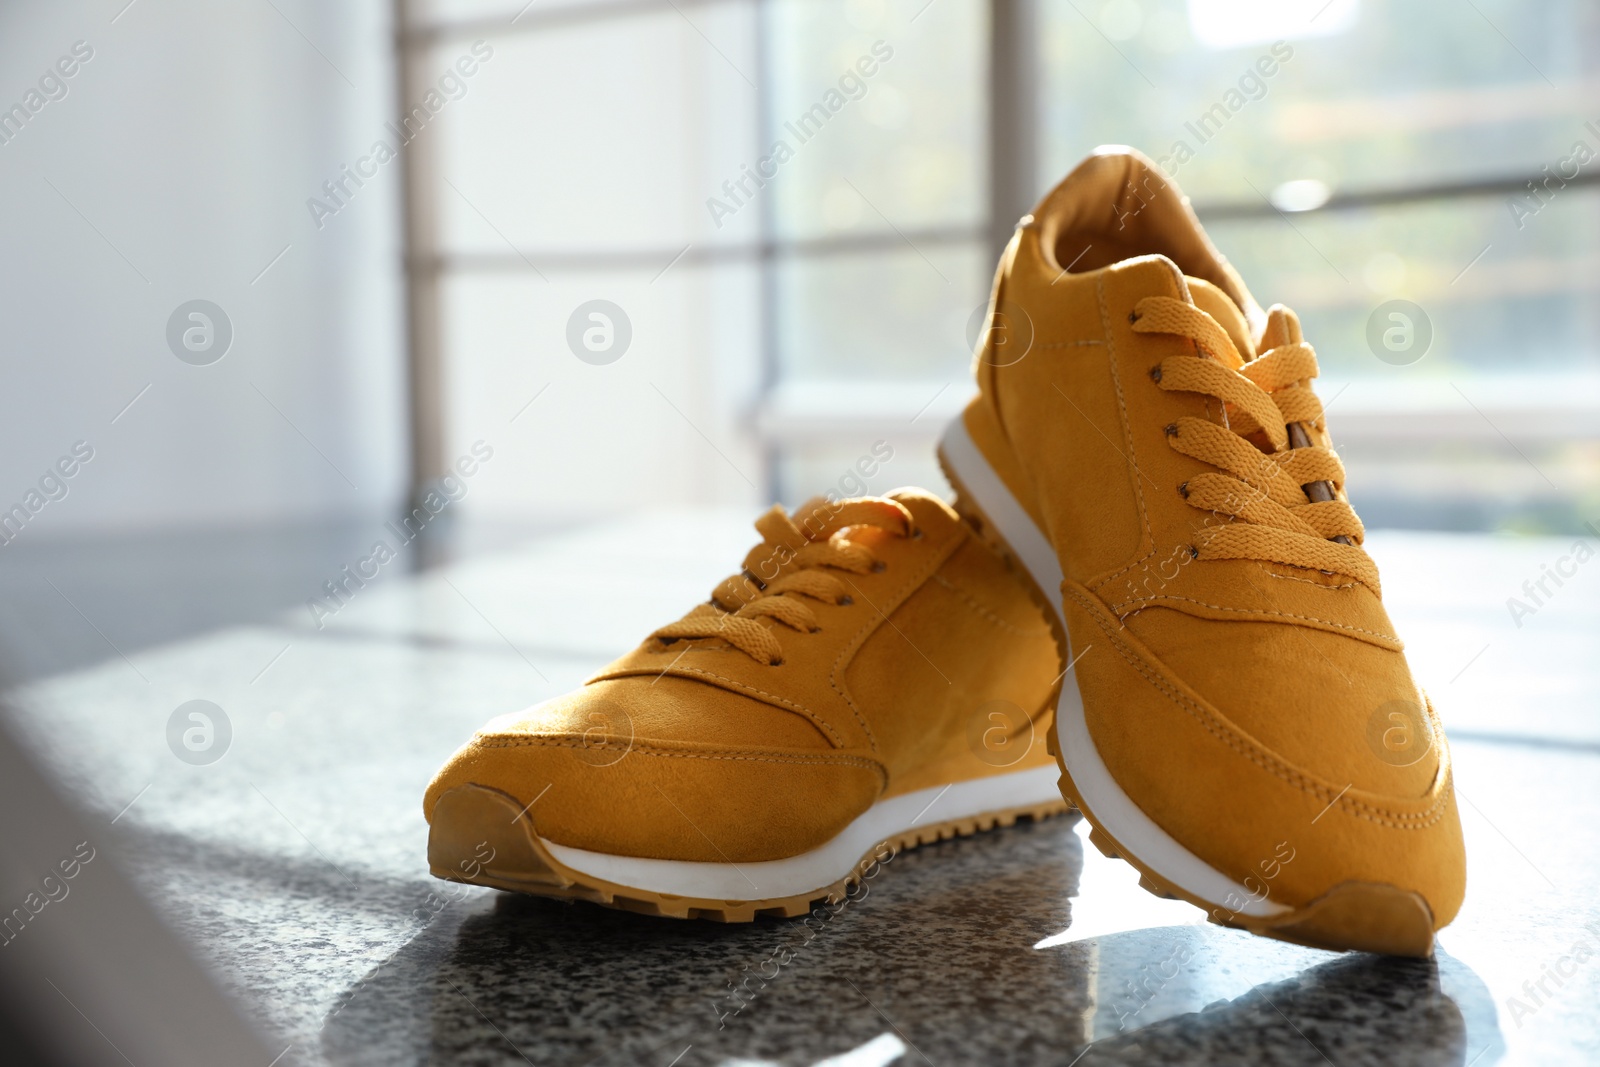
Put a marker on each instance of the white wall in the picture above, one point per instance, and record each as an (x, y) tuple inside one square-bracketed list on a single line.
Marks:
[(190, 143), (603, 138)]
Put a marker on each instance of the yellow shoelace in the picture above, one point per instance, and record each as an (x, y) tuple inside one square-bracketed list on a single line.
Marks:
[(1263, 477), (784, 570)]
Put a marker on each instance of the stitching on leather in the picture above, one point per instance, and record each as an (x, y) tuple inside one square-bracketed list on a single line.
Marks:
[(1115, 608), (1127, 435), (646, 750), (897, 598), (1070, 344), (1406, 821), (807, 712), (1308, 581), (979, 609)]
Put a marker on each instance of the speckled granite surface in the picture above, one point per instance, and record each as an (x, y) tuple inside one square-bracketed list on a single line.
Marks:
[(296, 862)]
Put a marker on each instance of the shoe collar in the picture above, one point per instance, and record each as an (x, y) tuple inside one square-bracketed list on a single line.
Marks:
[(1117, 205)]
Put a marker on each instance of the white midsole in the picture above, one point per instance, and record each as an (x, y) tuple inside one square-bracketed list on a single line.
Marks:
[(1112, 808), (827, 864)]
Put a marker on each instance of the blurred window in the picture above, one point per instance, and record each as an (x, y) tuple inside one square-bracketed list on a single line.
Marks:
[(1386, 157), (1343, 153)]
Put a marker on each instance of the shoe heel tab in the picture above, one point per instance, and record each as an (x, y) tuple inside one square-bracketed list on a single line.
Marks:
[(1112, 182)]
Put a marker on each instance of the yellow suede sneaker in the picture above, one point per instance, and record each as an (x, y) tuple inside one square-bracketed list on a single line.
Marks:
[(875, 677), (1146, 444)]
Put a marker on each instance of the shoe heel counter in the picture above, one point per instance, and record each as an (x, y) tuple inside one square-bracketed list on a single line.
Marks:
[(984, 358), (984, 417)]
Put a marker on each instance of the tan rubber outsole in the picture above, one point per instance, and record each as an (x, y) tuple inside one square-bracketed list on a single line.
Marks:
[(1352, 916), (480, 837)]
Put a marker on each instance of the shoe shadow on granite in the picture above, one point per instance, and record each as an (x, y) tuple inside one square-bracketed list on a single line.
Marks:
[(1351, 1010), (935, 953), (939, 937)]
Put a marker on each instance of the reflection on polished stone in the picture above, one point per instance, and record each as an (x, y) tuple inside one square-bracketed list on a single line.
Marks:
[(934, 961)]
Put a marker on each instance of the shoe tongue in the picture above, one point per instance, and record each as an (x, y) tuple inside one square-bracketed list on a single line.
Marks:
[(1216, 303), (1282, 328)]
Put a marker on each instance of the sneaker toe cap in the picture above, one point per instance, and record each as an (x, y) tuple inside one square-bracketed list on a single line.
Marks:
[(601, 776)]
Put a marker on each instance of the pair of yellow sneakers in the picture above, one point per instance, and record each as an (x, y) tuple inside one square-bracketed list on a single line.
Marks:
[(1150, 602)]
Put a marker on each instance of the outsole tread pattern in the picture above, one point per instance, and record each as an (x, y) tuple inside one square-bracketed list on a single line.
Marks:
[(561, 883)]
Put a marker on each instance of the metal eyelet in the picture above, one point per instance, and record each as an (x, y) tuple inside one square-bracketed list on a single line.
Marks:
[(1171, 429), (845, 601), (1155, 373), (916, 535), (1183, 490), (1133, 316), (775, 663), (879, 566)]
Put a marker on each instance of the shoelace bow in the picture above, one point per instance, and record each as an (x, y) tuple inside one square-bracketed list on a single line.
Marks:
[(785, 570), (1262, 480)]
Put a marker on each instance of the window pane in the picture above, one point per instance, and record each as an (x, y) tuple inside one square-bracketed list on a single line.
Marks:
[(644, 412), (900, 314), (858, 465), (1400, 92), (1493, 424), (905, 140), (1501, 301), (603, 136), (1521, 483), (505, 13)]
